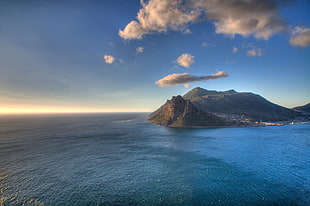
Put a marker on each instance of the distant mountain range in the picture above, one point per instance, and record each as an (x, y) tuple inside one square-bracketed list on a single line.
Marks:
[(202, 108)]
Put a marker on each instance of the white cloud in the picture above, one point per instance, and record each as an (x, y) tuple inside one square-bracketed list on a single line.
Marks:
[(207, 44), (184, 78), (109, 59), (160, 16), (259, 18), (187, 31), (111, 44), (140, 49), (133, 30), (300, 37), (235, 50), (254, 52), (185, 60), (248, 45)]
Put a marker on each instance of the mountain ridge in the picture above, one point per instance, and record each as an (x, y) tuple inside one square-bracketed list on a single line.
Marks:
[(240, 103), (179, 112), (303, 108), (223, 108)]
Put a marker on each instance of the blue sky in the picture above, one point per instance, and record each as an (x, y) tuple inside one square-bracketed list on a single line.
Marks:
[(79, 56)]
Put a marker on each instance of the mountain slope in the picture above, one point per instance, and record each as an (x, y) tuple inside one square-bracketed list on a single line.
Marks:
[(179, 112), (232, 102), (304, 108), (198, 92)]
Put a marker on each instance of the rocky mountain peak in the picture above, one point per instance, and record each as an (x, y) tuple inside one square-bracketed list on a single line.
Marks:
[(179, 112), (198, 92)]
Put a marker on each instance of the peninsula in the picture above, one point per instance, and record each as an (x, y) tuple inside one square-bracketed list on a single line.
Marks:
[(207, 108)]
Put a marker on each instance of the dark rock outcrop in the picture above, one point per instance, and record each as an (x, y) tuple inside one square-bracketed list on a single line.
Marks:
[(179, 112)]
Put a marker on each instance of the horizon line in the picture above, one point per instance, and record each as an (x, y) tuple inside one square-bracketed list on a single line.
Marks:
[(74, 112)]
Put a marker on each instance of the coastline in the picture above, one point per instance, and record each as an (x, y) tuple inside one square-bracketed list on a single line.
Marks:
[(262, 124)]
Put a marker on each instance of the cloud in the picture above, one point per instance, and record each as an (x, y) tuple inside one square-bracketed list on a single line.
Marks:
[(248, 45), (109, 59), (207, 44), (111, 44), (187, 31), (254, 52), (259, 18), (185, 60), (300, 37), (133, 30), (229, 62), (235, 50), (184, 78), (160, 16), (140, 49)]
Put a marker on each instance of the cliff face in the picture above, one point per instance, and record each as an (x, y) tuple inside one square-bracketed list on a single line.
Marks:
[(179, 112)]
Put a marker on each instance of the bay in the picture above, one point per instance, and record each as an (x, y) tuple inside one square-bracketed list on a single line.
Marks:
[(122, 159)]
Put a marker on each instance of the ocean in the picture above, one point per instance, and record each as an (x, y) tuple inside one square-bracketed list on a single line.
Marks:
[(122, 159)]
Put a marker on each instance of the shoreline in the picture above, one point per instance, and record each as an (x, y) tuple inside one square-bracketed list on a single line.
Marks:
[(234, 126)]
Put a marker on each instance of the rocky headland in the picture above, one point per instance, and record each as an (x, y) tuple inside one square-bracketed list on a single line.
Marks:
[(204, 108)]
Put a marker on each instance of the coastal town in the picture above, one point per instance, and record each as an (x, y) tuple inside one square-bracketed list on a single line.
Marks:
[(243, 120)]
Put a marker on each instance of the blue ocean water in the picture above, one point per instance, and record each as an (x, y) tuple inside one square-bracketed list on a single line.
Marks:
[(122, 159)]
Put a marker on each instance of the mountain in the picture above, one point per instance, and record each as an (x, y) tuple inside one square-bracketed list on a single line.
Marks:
[(239, 103), (199, 92), (179, 112), (200, 108), (305, 108)]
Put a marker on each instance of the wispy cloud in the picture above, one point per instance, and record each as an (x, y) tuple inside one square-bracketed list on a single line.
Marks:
[(235, 50), (229, 62), (300, 37), (259, 18), (184, 78), (187, 86), (109, 59), (186, 60), (207, 44), (111, 44), (121, 61), (254, 52), (139, 49)]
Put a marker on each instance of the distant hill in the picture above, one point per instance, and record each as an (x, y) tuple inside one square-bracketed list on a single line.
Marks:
[(239, 103), (305, 108), (179, 112), (201, 107)]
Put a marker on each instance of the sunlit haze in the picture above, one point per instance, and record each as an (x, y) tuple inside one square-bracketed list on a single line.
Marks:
[(131, 56)]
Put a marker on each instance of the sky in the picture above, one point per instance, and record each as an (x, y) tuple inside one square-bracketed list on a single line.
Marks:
[(131, 55)]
